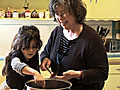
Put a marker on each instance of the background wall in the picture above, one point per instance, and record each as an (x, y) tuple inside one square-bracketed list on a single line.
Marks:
[(8, 29), (40, 5)]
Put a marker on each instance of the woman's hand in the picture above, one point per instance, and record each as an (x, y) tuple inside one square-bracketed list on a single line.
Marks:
[(45, 63), (39, 80), (69, 75)]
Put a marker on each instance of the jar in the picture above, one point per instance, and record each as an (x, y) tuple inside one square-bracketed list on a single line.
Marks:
[(47, 14), (8, 13), (27, 14), (22, 14), (2, 14), (34, 14), (41, 14), (15, 14)]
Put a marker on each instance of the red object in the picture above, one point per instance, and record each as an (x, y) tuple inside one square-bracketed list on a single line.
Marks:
[(82, 74), (52, 75), (22, 15), (27, 11), (8, 13)]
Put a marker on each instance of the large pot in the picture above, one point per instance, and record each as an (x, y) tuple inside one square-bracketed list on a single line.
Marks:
[(51, 84)]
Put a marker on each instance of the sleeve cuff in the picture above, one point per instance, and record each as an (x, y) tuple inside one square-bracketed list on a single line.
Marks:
[(82, 74)]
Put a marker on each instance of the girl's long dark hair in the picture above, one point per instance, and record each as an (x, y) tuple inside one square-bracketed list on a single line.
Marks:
[(22, 40)]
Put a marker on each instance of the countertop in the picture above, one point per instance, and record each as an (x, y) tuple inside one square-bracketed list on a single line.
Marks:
[(114, 58)]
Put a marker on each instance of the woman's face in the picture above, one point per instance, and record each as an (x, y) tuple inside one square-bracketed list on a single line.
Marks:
[(31, 51), (66, 20)]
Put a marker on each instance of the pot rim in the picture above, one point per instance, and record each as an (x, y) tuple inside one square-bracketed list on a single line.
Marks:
[(70, 84)]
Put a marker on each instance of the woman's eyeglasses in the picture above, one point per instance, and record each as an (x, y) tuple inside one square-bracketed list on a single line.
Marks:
[(64, 15)]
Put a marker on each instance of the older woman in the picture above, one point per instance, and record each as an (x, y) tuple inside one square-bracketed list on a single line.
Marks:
[(74, 50)]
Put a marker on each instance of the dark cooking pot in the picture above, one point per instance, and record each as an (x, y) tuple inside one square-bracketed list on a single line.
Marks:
[(51, 84)]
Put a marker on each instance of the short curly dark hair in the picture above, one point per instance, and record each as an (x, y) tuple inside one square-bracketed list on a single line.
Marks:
[(76, 7)]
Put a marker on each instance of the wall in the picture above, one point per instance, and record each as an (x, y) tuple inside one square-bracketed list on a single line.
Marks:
[(19, 4), (8, 29)]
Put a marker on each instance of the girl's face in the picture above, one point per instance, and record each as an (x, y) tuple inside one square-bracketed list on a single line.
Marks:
[(66, 20), (29, 53)]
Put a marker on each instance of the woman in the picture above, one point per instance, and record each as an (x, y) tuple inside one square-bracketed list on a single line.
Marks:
[(22, 63), (74, 50)]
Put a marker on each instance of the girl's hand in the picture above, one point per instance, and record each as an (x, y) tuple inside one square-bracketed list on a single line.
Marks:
[(69, 75), (45, 63), (39, 80), (37, 76)]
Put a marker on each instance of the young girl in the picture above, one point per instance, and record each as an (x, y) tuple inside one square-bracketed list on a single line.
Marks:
[(22, 63)]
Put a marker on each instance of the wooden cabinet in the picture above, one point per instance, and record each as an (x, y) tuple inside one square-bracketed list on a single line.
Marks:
[(113, 81), (103, 9), (107, 9)]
